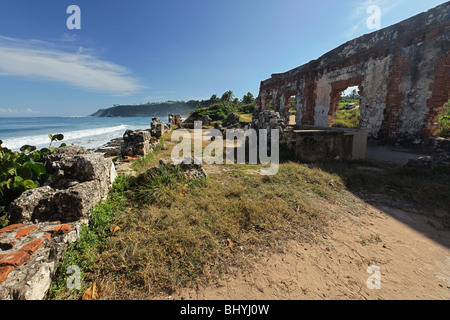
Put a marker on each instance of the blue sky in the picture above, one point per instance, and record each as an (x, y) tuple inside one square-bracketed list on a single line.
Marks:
[(135, 51)]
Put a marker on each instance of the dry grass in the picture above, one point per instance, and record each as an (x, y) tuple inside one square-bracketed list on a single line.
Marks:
[(189, 234), (247, 117), (203, 231), (176, 234)]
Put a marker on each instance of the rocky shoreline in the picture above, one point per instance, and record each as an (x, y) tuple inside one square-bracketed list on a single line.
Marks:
[(111, 148)]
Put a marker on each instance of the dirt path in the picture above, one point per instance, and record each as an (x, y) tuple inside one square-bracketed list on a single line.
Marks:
[(390, 154), (410, 248)]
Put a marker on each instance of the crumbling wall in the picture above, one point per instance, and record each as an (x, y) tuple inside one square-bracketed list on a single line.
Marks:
[(47, 218), (402, 71)]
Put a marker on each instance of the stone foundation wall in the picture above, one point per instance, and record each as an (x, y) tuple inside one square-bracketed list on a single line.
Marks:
[(47, 218)]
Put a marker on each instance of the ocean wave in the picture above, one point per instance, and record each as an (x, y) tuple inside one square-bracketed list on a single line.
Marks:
[(89, 138)]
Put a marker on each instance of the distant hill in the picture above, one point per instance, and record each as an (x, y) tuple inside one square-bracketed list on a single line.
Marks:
[(154, 109)]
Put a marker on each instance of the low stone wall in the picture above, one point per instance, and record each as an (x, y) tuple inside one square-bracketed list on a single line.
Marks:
[(47, 218), (175, 120), (158, 128), (136, 143), (314, 143), (29, 256)]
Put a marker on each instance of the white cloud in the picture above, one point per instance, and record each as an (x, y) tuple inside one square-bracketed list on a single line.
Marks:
[(15, 111), (9, 111), (31, 111), (82, 69)]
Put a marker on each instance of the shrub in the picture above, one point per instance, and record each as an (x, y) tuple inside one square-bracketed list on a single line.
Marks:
[(246, 108), (444, 121), (347, 119), (21, 171), (83, 252), (217, 112)]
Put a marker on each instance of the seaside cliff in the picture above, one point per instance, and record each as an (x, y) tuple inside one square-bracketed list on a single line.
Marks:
[(148, 110)]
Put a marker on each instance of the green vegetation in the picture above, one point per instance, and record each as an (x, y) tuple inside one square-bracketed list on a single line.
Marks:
[(21, 171), (174, 234), (347, 118), (293, 107), (444, 121), (424, 187), (219, 109), (346, 101), (84, 252), (353, 95), (217, 112)]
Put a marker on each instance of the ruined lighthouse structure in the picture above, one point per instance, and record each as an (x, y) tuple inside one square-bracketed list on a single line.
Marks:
[(402, 72)]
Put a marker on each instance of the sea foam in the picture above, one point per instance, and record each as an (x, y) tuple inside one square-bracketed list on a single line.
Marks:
[(89, 138)]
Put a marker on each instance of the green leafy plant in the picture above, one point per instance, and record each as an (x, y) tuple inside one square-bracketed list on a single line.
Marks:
[(217, 112), (444, 122), (55, 137), (21, 171)]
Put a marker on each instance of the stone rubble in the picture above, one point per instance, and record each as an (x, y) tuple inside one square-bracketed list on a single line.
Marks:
[(45, 219), (231, 120), (190, 166), (430, 161), (79, 182), (267, 119), (136, 143), (175, 120), (158, 128), (29, 254), (206, 120), (111, 148)]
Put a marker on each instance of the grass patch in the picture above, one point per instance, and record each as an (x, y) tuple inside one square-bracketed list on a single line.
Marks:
[(425, 187), (151, 159), (246, 117), (347, 118), (177, 233), (84, 252), (444, 121), (345, 102), (444, 126), (167, 245)]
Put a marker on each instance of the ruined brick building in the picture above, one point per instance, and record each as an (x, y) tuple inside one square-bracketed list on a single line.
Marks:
[(402, 73)]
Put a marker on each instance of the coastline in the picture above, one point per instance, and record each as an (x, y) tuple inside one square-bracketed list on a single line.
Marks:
[(90, 132), (111, 148)]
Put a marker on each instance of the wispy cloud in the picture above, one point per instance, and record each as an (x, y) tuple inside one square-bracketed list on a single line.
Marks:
[(41, 60), (10, 111)]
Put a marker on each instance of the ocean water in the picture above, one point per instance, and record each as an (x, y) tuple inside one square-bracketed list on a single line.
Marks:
[(90, 132)]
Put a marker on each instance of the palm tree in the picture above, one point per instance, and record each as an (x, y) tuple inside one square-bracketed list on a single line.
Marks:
[(227, 96)]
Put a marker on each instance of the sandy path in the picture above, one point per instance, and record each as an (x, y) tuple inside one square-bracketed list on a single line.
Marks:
[(411, 249)]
